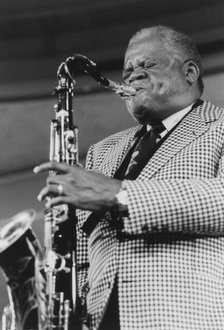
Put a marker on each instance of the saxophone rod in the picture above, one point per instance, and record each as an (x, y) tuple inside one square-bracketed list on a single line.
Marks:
[(80, 62)]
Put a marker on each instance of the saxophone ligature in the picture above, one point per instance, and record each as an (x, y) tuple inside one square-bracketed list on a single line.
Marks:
[(42, 282)]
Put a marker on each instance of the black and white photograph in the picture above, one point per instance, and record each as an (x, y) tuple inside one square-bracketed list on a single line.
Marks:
[(112, 165)]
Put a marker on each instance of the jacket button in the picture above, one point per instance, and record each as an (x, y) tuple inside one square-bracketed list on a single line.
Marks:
[(145, 228), (82, 301), (154, 229)]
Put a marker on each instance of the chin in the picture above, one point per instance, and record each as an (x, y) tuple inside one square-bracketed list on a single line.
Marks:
[(142, 110), (140, 121), (140, 117)]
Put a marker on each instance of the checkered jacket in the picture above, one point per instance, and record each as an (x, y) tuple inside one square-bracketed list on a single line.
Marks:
[(169, 256)]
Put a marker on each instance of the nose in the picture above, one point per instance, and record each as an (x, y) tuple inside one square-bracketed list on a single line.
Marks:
[(137, 75)]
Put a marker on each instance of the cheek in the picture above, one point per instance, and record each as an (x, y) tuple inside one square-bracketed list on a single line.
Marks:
[(169, 85), (159, 86), (163, 87)]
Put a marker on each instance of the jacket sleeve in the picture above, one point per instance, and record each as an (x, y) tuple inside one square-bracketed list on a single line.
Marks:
[(190, 206)]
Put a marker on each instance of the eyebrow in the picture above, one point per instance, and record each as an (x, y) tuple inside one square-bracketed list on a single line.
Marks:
[(139, 62)]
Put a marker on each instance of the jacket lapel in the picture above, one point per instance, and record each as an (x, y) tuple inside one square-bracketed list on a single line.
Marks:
[(117, 152), (191, 127)]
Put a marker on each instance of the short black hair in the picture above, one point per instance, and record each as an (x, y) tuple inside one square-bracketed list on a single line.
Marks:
[(178, 42)]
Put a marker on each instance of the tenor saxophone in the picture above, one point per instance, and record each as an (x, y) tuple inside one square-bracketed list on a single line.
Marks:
[(60, 222), (42, 282)]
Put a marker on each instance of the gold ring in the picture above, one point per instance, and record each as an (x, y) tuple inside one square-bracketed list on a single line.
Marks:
[(60, 189)]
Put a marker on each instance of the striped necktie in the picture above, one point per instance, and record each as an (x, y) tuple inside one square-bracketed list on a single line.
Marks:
[(144, 150)]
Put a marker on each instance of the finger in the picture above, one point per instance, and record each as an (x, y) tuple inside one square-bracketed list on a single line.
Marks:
[(49, 191), (57, 179), (56, 201), (52, 166)]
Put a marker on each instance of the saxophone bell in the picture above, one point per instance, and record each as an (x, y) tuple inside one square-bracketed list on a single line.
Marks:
[(20, 253), (80, 62)]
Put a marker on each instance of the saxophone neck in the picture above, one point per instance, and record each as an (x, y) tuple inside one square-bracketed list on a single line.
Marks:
[(80, 62)]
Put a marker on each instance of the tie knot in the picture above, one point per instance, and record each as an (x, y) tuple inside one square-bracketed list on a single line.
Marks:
[(158, 129), (154, 131)]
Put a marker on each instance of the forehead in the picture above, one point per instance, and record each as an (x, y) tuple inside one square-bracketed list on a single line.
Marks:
[(145, 48)]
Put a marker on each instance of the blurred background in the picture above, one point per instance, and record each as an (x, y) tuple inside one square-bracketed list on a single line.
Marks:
[(36, 36)]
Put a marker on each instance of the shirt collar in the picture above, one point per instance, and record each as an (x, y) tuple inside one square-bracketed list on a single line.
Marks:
[(172, 120)]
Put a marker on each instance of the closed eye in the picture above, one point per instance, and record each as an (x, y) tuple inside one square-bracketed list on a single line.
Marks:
[(149, 65), (142, 64), (126, 74)]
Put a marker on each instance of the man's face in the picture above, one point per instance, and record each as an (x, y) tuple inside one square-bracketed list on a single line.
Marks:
[(158, 75)]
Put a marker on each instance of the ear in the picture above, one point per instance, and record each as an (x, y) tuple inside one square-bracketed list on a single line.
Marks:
[(191, 71)]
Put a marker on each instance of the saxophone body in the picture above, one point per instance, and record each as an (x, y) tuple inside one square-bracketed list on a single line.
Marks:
[(60, 221)]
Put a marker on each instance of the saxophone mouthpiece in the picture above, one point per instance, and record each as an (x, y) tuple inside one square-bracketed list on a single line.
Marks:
[(125, 91)]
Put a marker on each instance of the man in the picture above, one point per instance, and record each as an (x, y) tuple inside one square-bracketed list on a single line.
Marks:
[(156, 236)]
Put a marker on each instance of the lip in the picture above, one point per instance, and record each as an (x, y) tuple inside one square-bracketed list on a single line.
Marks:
[(138, 90), (137, 87)]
